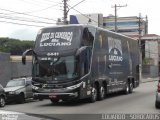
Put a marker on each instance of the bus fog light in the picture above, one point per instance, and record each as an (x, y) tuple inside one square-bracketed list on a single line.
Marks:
[(76, 94)]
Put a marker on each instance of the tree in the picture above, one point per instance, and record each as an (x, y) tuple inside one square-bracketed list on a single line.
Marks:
[(14, 46)]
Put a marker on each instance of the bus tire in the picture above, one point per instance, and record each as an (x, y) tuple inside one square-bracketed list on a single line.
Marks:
[(2, 101), (157, 105), (127, 88), (93, 97), (130, 87), (101, 93)]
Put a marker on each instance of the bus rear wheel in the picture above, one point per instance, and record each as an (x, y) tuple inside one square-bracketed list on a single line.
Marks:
[(126, 91), (101, 93), (130, 87)]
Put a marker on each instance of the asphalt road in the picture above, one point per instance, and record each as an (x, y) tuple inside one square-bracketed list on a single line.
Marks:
[(142, 100)]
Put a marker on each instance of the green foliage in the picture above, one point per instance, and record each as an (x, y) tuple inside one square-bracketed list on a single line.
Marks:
[(14, 46), (146, 61)]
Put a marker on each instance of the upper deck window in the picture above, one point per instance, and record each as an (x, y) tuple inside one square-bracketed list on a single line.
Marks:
[(58, 39), (88, 37)]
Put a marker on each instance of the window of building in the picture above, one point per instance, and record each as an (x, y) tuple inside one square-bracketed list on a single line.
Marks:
[(127, 23)]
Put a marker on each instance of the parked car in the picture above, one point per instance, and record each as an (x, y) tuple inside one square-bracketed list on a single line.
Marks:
[(18, 90), (157, 103), (2, 96)]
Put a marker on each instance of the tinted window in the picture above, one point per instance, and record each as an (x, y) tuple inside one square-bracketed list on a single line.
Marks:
[(16, 82), (28, 82), (58, 39)]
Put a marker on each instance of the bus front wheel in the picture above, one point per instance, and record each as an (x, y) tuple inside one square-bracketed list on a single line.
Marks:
[(93, 97)]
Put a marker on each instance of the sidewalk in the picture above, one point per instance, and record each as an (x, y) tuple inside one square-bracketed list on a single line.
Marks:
[(143, 80), (11, 115)]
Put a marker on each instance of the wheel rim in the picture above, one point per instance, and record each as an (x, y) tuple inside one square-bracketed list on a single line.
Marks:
[(94, 94), (131, 87), (2, 102), (127, 88), (102, 92)]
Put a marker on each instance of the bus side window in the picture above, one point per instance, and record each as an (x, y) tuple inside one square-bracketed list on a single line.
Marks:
[(85, 63), (87, 39)]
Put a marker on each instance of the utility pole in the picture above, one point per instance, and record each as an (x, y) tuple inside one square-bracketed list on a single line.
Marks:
[(139, 42), (116, 14), (140, 30), (65, 12)]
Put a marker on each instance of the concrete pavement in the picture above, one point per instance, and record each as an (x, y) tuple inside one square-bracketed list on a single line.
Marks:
[(149, 79), (10, 115)]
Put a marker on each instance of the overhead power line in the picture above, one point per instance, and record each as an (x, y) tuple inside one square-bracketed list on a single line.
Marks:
[(66, 10), (76, 5), (27, 14), (84, 15), (24, 20), (22, 24), (42, 9), (37, 3)]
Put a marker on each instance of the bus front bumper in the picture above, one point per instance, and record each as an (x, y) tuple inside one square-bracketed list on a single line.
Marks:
[(63, 96), (69, 92)]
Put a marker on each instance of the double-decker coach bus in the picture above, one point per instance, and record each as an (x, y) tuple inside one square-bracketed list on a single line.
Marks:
[(82, 61)]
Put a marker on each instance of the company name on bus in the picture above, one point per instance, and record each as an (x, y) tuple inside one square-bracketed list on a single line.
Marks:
[(56, 39), (115, 58)]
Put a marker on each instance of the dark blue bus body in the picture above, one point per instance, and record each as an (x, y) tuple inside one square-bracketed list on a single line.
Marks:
[(82, 61)]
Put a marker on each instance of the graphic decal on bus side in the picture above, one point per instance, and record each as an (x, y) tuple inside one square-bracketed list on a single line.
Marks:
[(115, 49), (56, 39)]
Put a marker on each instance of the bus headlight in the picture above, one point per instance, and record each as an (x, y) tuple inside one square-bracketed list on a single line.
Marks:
[(35, 87), (75, 86)]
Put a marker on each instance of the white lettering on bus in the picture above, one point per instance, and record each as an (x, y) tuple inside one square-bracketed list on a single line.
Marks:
[(115, 58), (55, 44), (45, 36)]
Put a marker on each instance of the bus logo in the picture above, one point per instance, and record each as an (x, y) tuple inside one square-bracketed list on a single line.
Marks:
[(56, 39), (115, 49)]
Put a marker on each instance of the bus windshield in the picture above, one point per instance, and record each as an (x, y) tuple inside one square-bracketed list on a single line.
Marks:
[(63, 68)]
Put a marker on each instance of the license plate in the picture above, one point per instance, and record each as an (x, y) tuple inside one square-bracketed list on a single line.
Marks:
[(52, 96)]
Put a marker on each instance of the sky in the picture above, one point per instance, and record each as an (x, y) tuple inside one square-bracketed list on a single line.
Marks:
[(36, 14)]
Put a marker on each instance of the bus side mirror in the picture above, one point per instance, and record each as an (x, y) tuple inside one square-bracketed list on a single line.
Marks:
[(24, 55), (80, 50), (23, 59)]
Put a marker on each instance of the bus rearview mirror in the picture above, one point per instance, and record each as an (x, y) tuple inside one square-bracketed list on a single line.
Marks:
[(24, 55), (80, 50), (24, 60)]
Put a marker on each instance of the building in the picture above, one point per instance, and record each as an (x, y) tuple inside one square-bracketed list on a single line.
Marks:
[(150, 49), (93, 19), (131, 25), (126, 25)]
